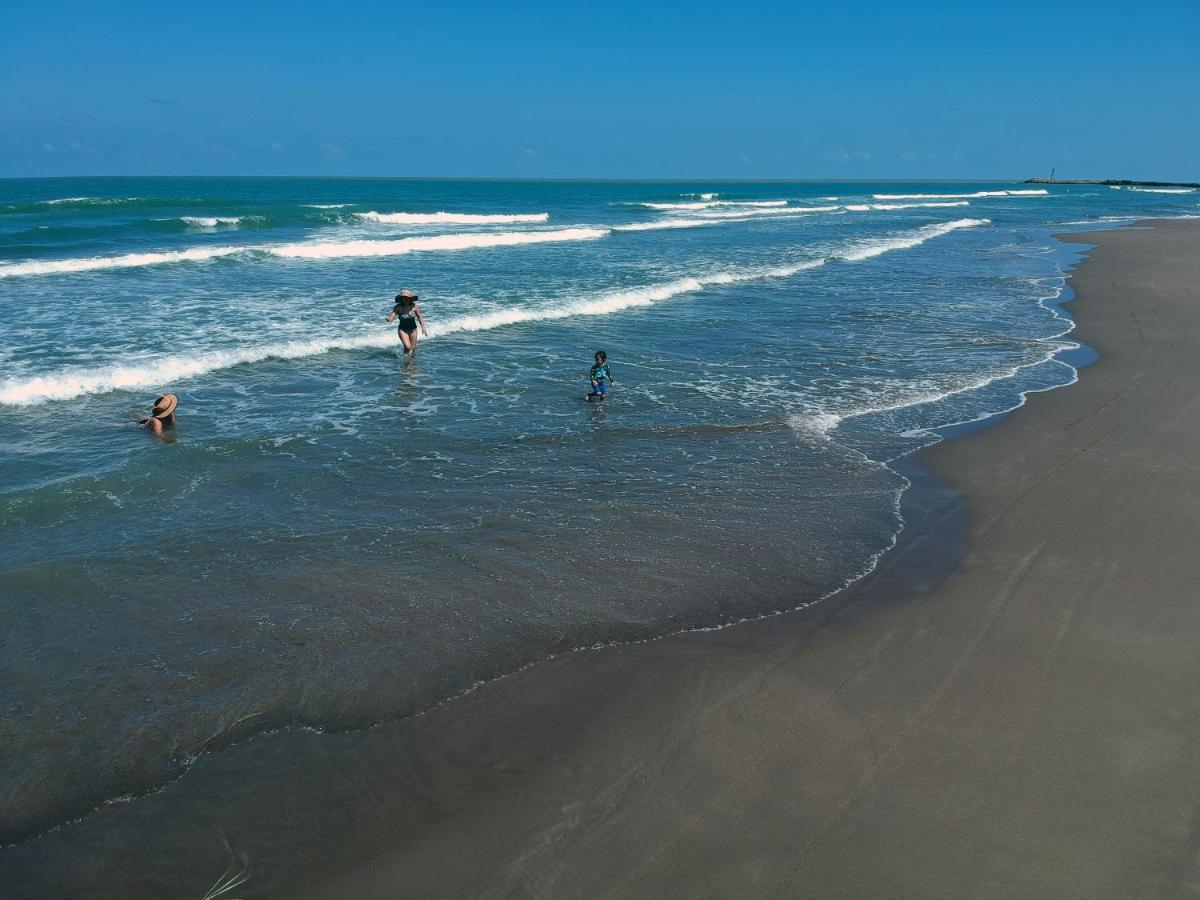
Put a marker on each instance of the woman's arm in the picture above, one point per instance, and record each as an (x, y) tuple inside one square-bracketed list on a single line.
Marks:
[(392, 315), (421, 319)]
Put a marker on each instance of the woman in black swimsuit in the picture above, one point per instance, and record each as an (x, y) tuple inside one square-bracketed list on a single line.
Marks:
[(410, 317)]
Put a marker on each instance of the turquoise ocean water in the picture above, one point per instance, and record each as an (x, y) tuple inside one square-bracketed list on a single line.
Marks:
[(335, 535)]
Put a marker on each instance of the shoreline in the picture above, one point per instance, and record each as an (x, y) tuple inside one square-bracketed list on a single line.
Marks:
[(757, 759)]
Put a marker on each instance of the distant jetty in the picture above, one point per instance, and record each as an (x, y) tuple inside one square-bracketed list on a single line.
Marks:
[(1112, 182)]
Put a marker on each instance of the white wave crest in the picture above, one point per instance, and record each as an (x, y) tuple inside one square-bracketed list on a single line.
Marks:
[(703, 204), (156, 373), (709, 196), (869, 249), (1040, 192), (210, 222), (99, 201), (866, 207), (774, 212), (327, 205), (665, 223), (127, 260), (400, 246), (446, 218), (304, 250), (1150, 190)]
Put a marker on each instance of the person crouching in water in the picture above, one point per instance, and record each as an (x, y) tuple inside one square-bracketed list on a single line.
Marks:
[(601, 377), (163, 414), (410, 317)]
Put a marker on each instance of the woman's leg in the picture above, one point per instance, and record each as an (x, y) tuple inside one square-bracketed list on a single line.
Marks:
[(408, 340)]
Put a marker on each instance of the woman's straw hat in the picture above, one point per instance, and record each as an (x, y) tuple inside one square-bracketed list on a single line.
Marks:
[(164, 406)]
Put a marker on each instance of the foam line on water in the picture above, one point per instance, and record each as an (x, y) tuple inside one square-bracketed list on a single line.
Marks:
[(160, 372), (1040, 192), (666, 223), (449, 218), (125, 260), (774, 212), (744, 214), (824, 422), (99, 201), (469, 241), (866, 207), (369, 248), (305, 250), (704, 204), (868, 249)]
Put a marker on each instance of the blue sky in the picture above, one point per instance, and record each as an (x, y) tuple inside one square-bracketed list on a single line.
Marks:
[(638, 90)]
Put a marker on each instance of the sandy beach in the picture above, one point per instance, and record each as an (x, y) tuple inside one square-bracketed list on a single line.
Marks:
[(1007, 707), (1028, 728)]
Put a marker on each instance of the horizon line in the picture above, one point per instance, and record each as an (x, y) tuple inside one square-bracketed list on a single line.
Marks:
[(551, 179)]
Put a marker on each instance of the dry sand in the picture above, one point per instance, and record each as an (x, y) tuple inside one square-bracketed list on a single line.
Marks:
[(1024, 725)]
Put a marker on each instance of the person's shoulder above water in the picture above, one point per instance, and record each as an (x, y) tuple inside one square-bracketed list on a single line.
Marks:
[(162, 415)]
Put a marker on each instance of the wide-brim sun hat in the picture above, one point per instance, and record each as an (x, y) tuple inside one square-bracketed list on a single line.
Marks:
[(164, 406)]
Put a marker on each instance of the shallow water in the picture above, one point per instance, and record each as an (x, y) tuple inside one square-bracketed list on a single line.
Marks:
[(335, 535)]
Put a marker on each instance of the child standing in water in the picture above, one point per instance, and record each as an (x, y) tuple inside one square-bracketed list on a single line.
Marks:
[(601, 377), (406, 311)]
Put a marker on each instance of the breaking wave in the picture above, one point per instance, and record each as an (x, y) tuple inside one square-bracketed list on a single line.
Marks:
[(703, 204), (88, 201), (211, 222), (665, 223), (776, 212), (865, 207), (336, 249), (1031, 193), (125, 260), (447, 218), (152, 372)]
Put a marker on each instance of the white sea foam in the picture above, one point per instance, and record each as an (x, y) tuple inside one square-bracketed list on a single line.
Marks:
[(99, 201), (447, 218), (210, 222), (709, 196), (157, 372), (779, 212), (871, 248), (307, 250), (866, 207), (469, 241), (776, 212), (1101, 220), (126, 260), (703, 204), (327, 205), (1032, 193), (665, 223), (1150, 190)]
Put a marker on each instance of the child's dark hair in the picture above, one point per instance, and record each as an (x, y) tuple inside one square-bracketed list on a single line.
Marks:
[(603, 356)]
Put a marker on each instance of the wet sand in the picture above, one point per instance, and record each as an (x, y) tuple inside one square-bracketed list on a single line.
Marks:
[(1025, 723)]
